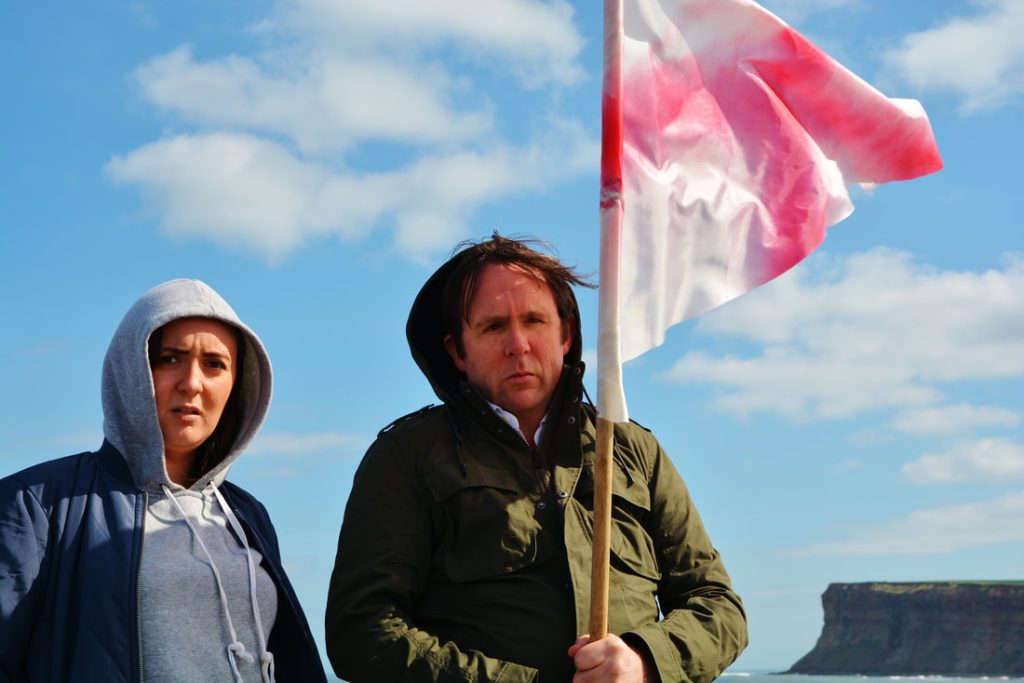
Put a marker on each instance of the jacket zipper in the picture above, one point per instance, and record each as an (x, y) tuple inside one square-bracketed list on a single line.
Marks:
[(138, 581)]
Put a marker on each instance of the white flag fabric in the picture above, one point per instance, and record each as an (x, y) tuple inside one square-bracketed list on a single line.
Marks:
[(730, 141)]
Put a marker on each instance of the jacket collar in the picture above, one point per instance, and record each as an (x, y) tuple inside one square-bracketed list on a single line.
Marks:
[(563, 416), (114, 464)]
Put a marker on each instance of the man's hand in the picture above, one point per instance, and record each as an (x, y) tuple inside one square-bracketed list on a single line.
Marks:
[(608, 660)]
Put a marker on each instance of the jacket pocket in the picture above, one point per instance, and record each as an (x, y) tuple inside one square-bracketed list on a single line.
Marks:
[(489, 525), (632, 547)]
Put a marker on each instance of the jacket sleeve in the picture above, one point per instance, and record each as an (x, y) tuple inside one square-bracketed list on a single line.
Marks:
[(383, 565), (23, 536), (704, 627)]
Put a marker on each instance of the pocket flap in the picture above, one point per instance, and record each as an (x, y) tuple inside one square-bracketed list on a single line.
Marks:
[(445, 482)]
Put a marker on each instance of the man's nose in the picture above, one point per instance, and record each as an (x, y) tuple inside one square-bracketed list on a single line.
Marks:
[(516, 341)]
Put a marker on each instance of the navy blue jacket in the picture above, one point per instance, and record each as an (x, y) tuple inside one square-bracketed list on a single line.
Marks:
[(70, 550)]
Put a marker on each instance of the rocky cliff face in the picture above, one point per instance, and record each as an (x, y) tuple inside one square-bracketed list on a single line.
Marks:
[(970, 629)]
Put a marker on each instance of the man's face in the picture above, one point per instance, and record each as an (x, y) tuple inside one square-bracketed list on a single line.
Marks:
[(514, 342)]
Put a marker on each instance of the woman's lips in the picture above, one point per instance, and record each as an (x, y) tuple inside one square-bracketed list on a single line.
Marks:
[(187, 413)]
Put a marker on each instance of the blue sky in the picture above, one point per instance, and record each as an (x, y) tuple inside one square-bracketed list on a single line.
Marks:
[(858, 419)]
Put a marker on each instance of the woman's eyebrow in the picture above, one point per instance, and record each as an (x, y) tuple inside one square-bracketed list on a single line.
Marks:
[(173, 349), (184, 352)]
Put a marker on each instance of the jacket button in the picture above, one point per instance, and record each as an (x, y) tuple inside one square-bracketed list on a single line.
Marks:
[(572, 420), (563, 495), (541, 505)]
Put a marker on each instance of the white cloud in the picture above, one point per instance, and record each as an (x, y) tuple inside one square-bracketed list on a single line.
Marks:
[(990, 459), (876, 331), (933, 531), (82, 439), (269, 162), (325, 106), (244, 191), (980, 58), (952, 419), (536, 39), (236, 190), (845, 466), (297, 444)]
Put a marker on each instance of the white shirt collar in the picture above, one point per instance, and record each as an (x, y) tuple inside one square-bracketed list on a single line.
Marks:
[(513, 422)]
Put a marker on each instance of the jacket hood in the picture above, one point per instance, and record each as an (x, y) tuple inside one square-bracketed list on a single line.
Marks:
[(425, 333), (130, 420)]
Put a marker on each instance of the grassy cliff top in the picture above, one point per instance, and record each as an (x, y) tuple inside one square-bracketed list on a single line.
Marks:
[(914, 586)]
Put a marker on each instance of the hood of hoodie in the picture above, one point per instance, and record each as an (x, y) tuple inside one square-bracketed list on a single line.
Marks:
[(425, 333), (130, 420)]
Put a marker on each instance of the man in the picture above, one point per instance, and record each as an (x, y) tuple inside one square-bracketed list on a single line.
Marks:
[(464, 554)]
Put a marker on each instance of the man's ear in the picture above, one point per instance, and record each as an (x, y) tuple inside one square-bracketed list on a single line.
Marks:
[(566, 338), (449, 346)]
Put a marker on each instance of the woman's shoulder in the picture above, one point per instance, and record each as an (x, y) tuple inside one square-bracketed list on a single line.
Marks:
[(49, 472), (47, 482)]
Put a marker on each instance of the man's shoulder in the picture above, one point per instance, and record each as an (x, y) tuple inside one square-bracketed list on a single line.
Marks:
[(637, 433), (406, 449), (412, 437), (425, 418), (631, 431), (637, 449)]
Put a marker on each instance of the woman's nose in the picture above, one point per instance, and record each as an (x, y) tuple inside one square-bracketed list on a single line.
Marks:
[(191, 378)]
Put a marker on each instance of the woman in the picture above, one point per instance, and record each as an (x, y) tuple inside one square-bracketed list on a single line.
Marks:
[(139, 562)]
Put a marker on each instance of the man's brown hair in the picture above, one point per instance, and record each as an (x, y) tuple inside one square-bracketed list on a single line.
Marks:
[(474, 256)]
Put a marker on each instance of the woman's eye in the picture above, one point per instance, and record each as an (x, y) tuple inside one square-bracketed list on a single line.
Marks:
[(168, 359)]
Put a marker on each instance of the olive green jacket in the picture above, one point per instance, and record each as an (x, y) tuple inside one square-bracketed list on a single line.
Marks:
[(441, 531), (465, 556)]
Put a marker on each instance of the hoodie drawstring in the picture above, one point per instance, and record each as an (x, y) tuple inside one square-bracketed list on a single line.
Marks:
[(235, 649), (266, 658)]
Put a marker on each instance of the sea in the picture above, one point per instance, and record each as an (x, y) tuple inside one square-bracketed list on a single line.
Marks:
[(769, 677)]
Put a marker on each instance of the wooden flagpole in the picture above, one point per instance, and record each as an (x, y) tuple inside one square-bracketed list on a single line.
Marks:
[(611, 225), (600, 562)]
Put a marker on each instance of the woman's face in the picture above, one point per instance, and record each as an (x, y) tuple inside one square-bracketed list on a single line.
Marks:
[(193, 372)]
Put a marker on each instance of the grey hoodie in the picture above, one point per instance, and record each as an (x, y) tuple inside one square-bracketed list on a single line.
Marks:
[(207, 607)]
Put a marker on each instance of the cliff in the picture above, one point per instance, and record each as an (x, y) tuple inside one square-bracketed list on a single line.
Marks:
[(886, 629)]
